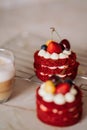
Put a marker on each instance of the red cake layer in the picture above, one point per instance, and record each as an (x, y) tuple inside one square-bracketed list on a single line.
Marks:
[(41, 65), (59, 115)]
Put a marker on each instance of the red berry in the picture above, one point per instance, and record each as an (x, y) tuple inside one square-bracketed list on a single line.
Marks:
[(54, 47), (65, 44), (63, 88)]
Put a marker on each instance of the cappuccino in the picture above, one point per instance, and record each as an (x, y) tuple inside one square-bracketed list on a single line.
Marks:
[(7, 73)]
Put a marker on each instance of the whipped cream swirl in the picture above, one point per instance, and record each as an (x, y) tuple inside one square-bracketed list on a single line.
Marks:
[(65, 54), (59, 98)]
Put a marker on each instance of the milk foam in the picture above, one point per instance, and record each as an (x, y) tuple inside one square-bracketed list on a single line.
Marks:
[(7, 69)]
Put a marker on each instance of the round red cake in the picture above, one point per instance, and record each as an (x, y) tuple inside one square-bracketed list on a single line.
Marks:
[(54, 58), (59, 103)]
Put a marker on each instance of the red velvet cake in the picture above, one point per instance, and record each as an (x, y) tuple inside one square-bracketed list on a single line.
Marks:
[(55, 58), (59, 103)]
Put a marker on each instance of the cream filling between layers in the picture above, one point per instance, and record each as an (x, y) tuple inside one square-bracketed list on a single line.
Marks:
[(55, 67), (60, 75)]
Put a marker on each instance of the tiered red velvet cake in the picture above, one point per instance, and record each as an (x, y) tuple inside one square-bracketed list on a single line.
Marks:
[(55, 58), (59, 103)]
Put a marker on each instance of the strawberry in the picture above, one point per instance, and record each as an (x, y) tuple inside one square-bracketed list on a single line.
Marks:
[(54, 47), (47, 43), (63, 88)]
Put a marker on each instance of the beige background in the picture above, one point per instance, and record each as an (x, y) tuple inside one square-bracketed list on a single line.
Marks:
[(68, 16)]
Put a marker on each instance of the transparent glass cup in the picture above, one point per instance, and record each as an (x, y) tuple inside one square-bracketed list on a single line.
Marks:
[(7, 74)]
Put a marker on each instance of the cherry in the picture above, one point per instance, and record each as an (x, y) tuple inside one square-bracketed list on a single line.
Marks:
[(65, 44)]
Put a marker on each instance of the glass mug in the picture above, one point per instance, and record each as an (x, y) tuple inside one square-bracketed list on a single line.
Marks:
[(7, 74)]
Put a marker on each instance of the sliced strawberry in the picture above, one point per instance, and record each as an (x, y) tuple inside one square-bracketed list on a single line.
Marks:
[(63, 88), (54, 47)]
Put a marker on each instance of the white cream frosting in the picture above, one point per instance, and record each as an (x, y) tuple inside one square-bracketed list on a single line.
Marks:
[(63, 67), (69, 97), (54, 56), (60, 75), (59, 99), (41, 52), (48, 97), (55, 67), (47, 55), (66, 52), (73, 91), (63, 56), (44, 74)]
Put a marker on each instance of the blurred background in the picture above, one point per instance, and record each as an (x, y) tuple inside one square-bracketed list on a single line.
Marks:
[(69, 17)]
